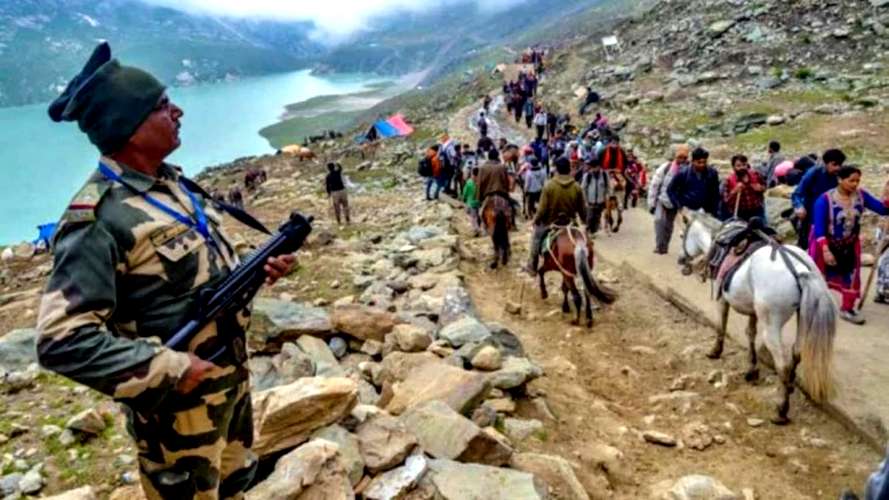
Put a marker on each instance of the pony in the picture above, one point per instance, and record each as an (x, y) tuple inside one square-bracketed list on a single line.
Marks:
[(497, 216), (769, 287), (570, 252), (369, 149), (612, 204)]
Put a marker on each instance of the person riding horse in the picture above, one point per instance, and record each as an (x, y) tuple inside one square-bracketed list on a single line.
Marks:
[(494, 180), (562, 201)]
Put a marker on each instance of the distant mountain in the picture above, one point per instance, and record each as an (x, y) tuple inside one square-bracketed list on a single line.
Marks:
[(44, 42), (403, 42)]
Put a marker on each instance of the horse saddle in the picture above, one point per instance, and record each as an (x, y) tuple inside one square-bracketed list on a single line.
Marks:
[(733, 244)]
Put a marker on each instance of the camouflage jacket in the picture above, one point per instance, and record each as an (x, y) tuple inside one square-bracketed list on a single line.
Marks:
[(124, 278)]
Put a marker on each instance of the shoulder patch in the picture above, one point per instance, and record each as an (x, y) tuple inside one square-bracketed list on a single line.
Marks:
[(82, 207)]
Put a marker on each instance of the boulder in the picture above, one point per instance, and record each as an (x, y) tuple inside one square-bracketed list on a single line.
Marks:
[(488, 358), (283, 368), (719, 27), (18, 349), (444, 433), (464, 331), (556, 472), (396, 483), (87, 422), (417, 234), (286, 416), (384, 443), (349, 451), (362, 322), (312, 471), (659, 438), (460, 389), (518, 430), (275, 322), (85, 493), (514, 373), (398, 365), (456, 481), (410, 338), (319, 352), (456, 303), (694, 487)]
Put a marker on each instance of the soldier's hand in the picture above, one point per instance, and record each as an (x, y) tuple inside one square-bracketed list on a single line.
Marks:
[(194, 375), (278, 267)]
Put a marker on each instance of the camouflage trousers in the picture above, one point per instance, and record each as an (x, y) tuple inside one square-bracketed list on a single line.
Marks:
[(200, 453)]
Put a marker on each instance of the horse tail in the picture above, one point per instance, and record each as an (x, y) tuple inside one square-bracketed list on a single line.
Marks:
[(582, 262), (815, 335)]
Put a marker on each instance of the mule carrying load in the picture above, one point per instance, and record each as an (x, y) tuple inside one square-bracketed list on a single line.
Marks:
[(765, 280)]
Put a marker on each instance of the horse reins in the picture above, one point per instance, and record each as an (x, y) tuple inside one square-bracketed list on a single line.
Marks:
[(570, 230)]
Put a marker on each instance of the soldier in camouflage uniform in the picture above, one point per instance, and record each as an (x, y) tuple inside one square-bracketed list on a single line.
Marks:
[(132, 250)]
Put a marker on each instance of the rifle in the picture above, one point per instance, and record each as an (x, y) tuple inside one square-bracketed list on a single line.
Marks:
[(238, 289)]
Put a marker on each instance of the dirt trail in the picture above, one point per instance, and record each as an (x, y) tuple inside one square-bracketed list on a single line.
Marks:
[(642, 367), (609, 384)]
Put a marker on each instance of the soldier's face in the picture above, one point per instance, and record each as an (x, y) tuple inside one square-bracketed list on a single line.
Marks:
[(159, 133)]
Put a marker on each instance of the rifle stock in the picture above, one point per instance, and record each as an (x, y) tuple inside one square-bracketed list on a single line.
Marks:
[(237, 290)]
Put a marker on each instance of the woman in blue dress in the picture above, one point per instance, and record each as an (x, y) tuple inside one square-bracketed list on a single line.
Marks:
[(835, 245)]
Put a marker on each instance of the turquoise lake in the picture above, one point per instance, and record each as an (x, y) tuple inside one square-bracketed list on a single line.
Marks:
[(43, 163)]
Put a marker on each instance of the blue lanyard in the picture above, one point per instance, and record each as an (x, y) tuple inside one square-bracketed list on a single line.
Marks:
[(200, 225)]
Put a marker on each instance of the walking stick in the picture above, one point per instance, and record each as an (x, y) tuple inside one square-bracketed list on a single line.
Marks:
[(881, 244), (737, 203)]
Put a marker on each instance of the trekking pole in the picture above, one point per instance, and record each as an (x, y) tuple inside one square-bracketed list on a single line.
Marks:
[(737, 204), (881, 244)]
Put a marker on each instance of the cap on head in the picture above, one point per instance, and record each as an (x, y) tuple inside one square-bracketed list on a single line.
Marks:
[(107, 100)]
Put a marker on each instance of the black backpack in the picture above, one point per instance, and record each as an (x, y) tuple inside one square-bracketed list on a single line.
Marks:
[(425, 168)]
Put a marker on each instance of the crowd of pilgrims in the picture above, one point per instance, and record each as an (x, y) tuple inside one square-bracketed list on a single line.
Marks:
[(828, 202)]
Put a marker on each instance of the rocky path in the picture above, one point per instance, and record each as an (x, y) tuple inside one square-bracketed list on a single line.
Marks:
[(636, 404), (464, 124), (859, 371)]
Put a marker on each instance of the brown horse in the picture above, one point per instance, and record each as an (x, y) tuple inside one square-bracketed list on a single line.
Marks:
[(497, 217), (571, 253), (612, 204), (369, 149)]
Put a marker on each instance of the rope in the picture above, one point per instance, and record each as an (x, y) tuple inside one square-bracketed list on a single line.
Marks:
[(549, 249)]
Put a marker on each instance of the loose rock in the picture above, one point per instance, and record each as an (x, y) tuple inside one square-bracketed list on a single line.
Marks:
[(286, 416), (384, 443)]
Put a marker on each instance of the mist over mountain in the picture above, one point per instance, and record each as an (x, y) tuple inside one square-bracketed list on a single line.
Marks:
[(44, 42)]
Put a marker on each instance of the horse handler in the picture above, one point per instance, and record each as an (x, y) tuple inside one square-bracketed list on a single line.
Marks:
[(134, 249), (562, 201)]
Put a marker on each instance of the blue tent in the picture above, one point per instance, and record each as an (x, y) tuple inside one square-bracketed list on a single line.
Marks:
[(386, 130)]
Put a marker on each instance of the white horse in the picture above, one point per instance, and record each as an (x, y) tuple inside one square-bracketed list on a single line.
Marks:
[(764, 288)]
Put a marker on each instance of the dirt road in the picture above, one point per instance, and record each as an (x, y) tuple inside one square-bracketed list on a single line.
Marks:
[(643, 368)]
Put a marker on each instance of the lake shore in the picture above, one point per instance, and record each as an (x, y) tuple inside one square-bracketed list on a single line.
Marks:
[(334, 112)]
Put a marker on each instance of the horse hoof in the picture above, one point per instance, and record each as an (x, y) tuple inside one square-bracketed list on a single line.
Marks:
[(751, 376), (686, 271), (574, 322), (589, 324), (780, 421), (715, 354), (493, 266)]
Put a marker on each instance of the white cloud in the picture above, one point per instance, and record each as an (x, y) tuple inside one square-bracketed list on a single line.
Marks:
[(333, 18)]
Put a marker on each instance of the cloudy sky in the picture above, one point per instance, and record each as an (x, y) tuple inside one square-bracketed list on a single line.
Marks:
[(334, 18)]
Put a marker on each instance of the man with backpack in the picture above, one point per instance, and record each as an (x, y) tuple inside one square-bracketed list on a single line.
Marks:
[(430, 169), (482, 125)]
